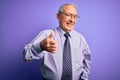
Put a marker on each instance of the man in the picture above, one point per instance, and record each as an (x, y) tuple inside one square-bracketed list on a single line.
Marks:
[(63, 52)]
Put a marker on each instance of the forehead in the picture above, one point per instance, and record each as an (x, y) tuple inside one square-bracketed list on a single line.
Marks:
[(70, 9)]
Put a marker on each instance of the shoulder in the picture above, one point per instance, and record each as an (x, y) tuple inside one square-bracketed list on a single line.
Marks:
[(45, 32), (77, 34), (80, 38)]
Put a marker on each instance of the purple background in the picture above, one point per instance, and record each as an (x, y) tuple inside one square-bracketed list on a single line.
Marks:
[(22, 20)]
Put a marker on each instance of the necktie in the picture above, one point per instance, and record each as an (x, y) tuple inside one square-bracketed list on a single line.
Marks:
[(67, 66)]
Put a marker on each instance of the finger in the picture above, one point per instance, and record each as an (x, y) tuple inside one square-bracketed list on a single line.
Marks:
[(53, 46), (51, 35), (52, 42), (52, 49)]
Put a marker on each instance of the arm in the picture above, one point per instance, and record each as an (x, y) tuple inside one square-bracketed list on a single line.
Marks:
[(86, 61), (43, 42), (33, 49)]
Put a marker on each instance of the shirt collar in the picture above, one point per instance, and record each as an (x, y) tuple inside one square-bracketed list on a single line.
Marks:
[(62, 32)]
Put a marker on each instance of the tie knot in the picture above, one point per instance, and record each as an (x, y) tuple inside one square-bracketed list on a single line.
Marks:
[(66, 34)]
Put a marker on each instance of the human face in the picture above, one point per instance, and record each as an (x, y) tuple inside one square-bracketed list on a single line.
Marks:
[(67, 18)]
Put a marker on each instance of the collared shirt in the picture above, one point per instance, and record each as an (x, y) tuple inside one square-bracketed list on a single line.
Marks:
[(51, 63)]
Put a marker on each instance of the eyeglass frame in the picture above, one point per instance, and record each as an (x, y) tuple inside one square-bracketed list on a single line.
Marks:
[(69, 15)]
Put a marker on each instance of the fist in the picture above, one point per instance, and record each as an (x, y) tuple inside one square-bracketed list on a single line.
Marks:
[(49, 44)]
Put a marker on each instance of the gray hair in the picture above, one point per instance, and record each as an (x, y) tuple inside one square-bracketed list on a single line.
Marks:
[(61, 7)]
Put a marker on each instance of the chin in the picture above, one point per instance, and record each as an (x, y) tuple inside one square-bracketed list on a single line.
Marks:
[(68, 30)]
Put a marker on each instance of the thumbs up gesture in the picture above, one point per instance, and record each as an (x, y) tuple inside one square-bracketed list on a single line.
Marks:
[(49, 44)]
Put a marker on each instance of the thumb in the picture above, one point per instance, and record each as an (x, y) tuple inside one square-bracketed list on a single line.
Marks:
[(51, 35)]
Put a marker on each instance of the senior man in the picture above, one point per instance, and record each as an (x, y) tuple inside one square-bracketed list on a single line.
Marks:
[(64, 52)]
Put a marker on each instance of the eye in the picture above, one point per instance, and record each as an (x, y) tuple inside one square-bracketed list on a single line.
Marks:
[(76, 16), (68, 14)]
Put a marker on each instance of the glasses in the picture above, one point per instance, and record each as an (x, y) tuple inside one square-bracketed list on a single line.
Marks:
[(70, 15)]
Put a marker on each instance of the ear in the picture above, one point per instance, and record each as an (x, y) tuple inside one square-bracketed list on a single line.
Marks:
[(58, 16)]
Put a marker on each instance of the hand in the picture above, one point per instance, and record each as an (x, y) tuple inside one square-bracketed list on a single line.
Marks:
[(49, 44)]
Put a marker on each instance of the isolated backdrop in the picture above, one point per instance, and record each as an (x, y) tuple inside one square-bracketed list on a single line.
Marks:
[(22, 20)]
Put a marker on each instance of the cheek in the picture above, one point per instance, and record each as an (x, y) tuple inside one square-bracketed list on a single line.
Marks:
[(64, 21)]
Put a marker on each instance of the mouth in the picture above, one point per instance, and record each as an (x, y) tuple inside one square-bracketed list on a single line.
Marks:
[(69, 23)]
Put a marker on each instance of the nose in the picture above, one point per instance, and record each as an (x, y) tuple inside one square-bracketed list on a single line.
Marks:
[(72, 19)]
